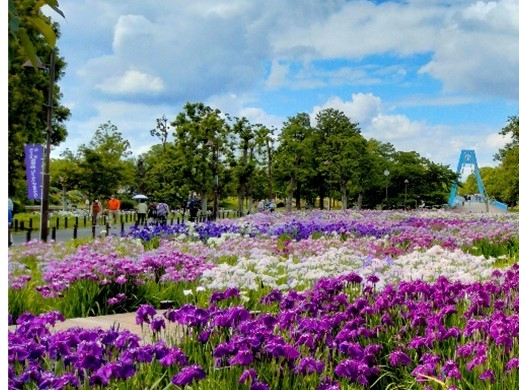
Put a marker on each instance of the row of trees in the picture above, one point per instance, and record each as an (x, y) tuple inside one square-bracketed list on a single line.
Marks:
[(205, 151)]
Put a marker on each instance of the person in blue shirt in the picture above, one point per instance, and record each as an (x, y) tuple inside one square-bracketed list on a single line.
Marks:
[(10, 212)]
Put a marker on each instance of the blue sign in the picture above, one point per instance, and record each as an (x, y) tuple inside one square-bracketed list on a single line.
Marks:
[(33, 165)]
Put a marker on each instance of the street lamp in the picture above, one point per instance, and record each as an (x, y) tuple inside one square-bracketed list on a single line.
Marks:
[(386, 174), (211, 144), (406, 182), (44, 219)]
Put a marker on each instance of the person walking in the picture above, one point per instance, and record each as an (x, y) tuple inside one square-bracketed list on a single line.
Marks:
[(162, 212), (193, 204), (10, 215), (142, 210), (96, 211), (114, 205)]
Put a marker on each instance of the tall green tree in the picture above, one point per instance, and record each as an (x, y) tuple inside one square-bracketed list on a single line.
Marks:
[(242, 134), (261, 157), (162, 131), (105, 163), (293, 152), (202, 149), (508, 156), (345, 151), (28, 94), (381, 155)]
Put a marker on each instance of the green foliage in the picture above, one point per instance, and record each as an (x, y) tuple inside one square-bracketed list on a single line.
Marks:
[(506, 251), (21, 21), (29, 89)]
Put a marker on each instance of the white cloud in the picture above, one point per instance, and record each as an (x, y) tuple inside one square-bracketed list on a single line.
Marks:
[(132, 81), (478, 50), (437, 143), (497, 141), (277, 76)]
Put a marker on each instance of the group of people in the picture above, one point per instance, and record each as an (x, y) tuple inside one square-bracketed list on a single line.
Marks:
[(154, 211), (113, 206), (157, 212)]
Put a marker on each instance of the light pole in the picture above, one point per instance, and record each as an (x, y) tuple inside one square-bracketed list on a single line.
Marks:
[(406, 182), (386, 174), (211, 144), (44, 218)]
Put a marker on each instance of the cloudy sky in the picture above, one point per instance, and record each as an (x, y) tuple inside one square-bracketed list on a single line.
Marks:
[(434, 76)]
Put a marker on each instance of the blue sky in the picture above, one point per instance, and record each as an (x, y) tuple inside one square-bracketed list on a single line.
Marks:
[(431, 76)]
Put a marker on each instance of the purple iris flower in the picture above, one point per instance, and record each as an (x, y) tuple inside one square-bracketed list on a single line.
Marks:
[(187, 375), (204, 336), (488, 375), (513, 363), (247, 375), (397, 358), (328, 384), (451, 370), (259, 386), (354, 370), (273, 296), (144, 314), (309, 365), (422, 371), (157, 324), (243, 357)]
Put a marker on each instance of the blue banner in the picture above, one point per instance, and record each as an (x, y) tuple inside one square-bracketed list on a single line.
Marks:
[(33, 165)]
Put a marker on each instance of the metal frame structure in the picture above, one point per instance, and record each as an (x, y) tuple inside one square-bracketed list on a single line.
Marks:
[(467, 157)]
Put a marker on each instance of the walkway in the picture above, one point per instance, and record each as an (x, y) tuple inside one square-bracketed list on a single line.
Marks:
[(63, 235), (121, 321)]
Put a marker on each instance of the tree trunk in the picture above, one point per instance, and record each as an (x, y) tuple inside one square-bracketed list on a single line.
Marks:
[(241, 197), (344, 193), (298, 196), (321, 198), (359, 202), (290, 194)]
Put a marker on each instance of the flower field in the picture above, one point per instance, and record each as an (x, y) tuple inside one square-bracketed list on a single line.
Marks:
[(308, 300)]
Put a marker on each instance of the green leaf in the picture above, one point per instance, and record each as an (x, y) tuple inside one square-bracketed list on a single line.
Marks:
[(30, 51), (44, 28), (55, 6)]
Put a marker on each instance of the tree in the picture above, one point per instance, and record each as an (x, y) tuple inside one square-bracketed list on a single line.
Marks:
[(293, 151), (244, 168), (508, 171), (261, 183), (23, 21), (200, 162), (27, 109), (381, 156), (104, 163), (161, 131), (345, 150)]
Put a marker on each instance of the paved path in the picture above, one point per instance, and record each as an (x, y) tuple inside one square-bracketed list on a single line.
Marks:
[(121, 321), (63, 235)]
